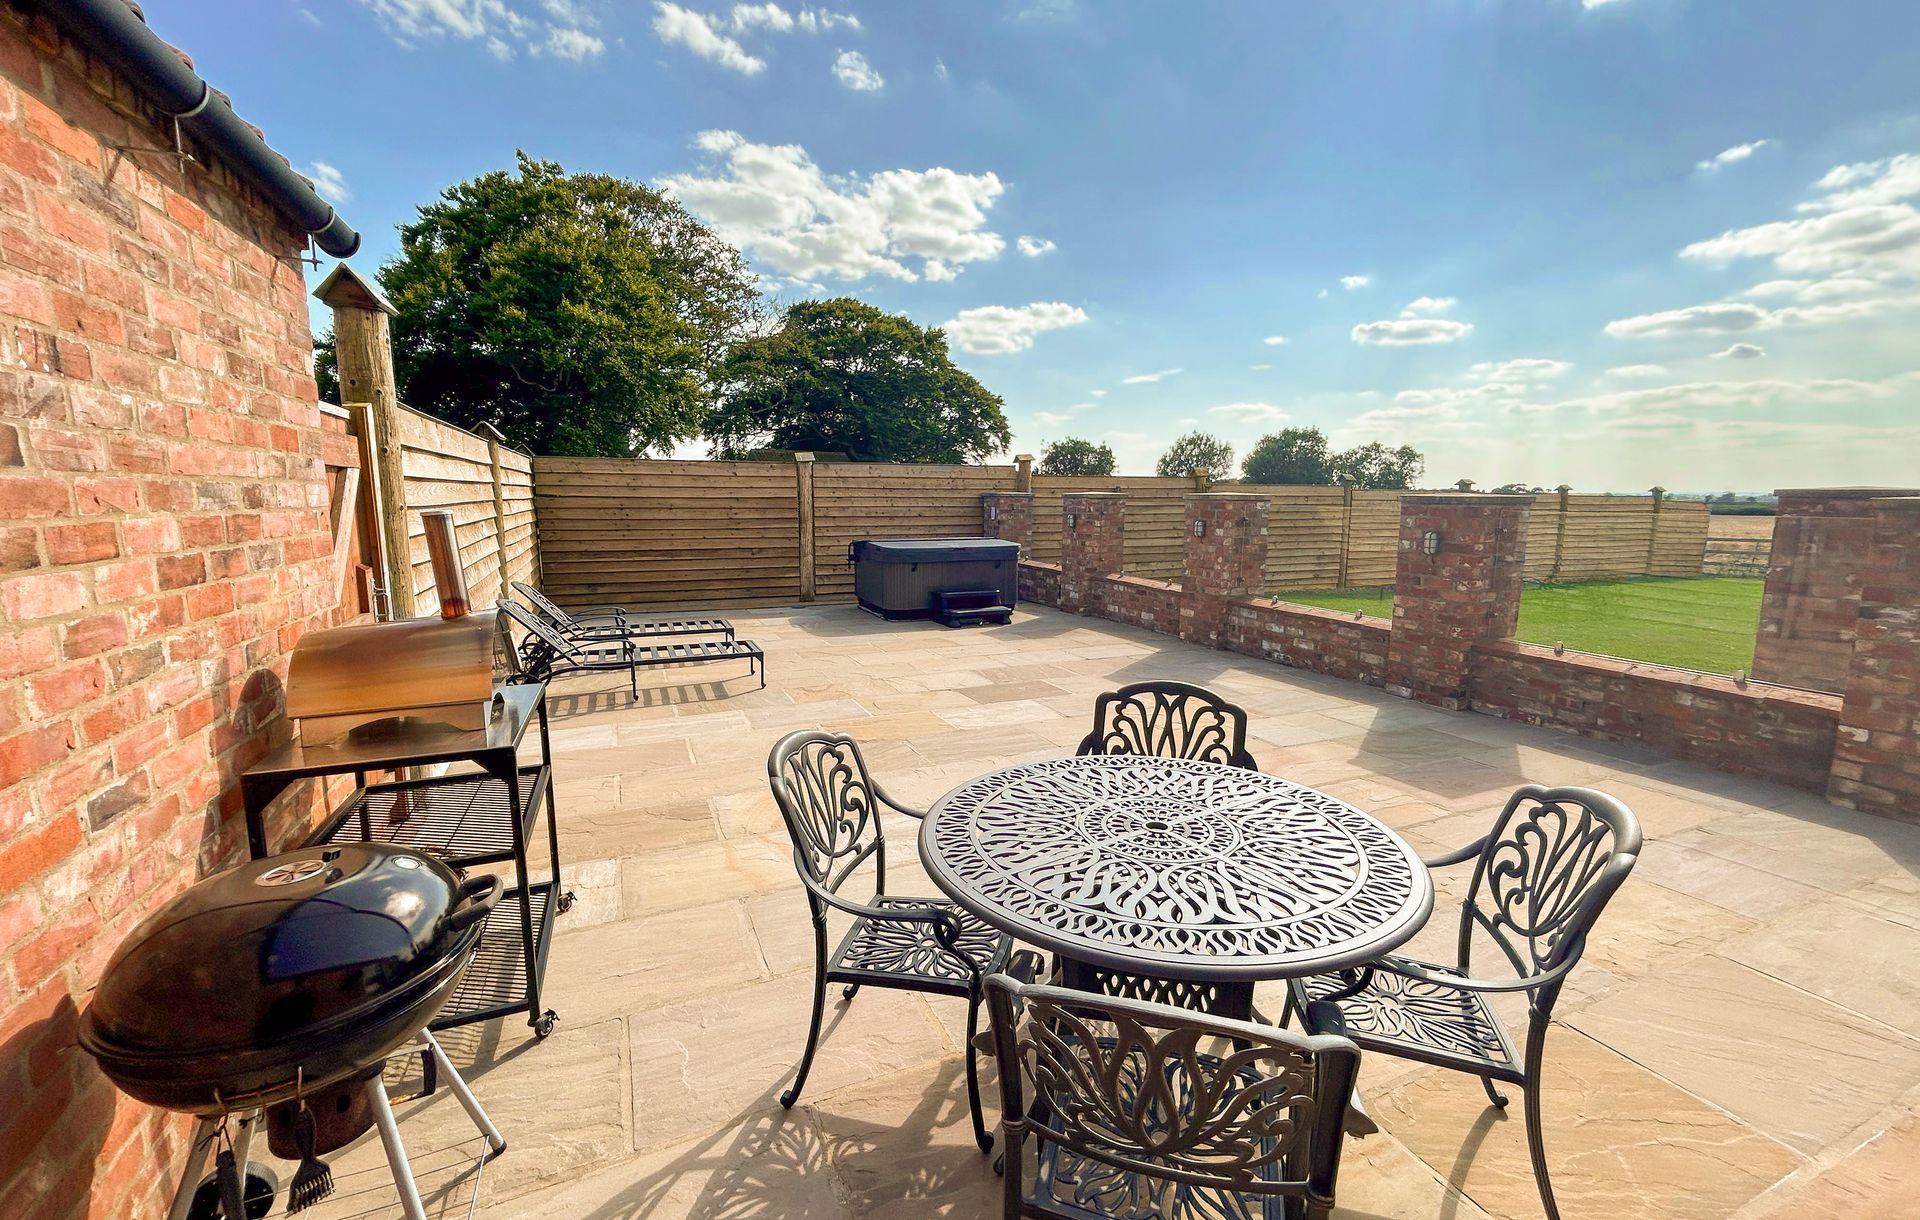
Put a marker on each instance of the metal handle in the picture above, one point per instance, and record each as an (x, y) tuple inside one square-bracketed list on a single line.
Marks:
[(480, 895)]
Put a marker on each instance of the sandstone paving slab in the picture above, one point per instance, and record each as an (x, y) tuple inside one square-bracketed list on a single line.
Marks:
[(721, 1058), (1380, 1180), (715, 720), (1021, 711), (706, 872), (594, 832), (1788, 1063), (1620, 1141), (1873, 1180), (1846, 953), (1010, 691), (890, 726), (644, 963), (1728, 884), (902, 1146)]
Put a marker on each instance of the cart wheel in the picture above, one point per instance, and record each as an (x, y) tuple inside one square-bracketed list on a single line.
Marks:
[(545, 1024), (566, 902)]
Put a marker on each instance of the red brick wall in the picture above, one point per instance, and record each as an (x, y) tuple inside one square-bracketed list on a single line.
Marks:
[(1770, 732), (1153, 604), (1040, 582), (1226, 559), (1093, 536), (1876, 762), (1009, 517), (1307, 637), (163, 542), (1466, 593), (1820, 543)]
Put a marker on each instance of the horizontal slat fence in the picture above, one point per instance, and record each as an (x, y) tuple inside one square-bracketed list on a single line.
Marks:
[(517, 516), (667, 533), (885, 500), (1156, 514), (449, 469)]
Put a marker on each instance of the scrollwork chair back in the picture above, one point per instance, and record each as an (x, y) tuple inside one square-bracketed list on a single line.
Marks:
[(1169, 720), (1160, 1111), (826, 799)]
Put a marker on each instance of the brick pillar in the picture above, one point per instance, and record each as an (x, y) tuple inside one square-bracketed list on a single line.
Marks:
[(1224, 555), (1467, 593), (1009, 517), (1876, 759), (1821, 536), (1093, 534)]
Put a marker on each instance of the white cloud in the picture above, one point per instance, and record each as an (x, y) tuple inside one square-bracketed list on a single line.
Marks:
[(997, 330), (1352, 282), (761, 16), (1730, 156), (1274, 340), (695, 31), (1250, 412), (1260, 368), (1523, 371), (1151, 378), (1320, 295), (497, 26), (1034, 247), (329, 182), (1730, 395), (1051, 419), (1408, 332), (1741, 351), (815, 20), (1637, 371), (772, 201), (1097, 393), (1426, 306), (852, 70), (574, 44), (1592, 4), (940, 68), (1720, 318)]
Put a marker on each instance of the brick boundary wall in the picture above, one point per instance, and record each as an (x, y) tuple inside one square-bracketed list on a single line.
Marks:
[(1152, 604), (164, 541), (1876, 763), (1769, 732), (1306, 637), (1040, 582)]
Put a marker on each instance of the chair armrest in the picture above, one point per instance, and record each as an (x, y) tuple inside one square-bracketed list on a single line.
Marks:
[(1414, 970), (887, 798), (946, 929), (1458, 855)]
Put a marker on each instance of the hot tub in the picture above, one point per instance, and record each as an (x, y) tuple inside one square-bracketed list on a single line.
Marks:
[(959, 581)]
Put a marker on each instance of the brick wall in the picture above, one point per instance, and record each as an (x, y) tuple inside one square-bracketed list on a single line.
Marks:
[(1009, 517), (1153, 604), (1224, 556), (1820, 541), (1465, 593), (164, 540), (1040, 582), (1307, 637), (1876, 762), (1770, 732), (1093, 539)]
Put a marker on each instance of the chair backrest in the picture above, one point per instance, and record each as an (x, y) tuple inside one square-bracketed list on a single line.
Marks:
[(1553, 860), (827, 801), (538, 601), (1149, 1101), (1169, 720), (552, 642)]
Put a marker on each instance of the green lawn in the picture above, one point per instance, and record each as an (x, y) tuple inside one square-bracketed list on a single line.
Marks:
[(1704, 623)]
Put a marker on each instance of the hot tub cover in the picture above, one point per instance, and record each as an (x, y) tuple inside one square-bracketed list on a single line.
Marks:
[(932, 550)]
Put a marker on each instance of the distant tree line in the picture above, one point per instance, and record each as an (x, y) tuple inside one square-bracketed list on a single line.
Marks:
[(1290, 456)]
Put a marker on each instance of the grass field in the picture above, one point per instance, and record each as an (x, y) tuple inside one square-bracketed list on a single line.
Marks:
[(1705, 623)]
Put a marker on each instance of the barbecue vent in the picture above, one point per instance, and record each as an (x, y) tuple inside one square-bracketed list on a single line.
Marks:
[(441, 670)]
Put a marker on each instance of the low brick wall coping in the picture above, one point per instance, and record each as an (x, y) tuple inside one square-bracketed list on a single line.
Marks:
[(1716, 683), (1319, 612)]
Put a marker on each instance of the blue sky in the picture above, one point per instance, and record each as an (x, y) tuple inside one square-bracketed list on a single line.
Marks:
[(1605, 242)]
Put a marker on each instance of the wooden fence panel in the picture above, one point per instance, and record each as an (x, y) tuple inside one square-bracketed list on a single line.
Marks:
[(516, 495), (667, 533), (449, 469), (854, 500), (1156, 514), (1679, 539), (1605, 536), (1543, 537), (1305, 531)]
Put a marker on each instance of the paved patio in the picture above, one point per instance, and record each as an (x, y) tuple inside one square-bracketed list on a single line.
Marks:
[(1741, 1040)]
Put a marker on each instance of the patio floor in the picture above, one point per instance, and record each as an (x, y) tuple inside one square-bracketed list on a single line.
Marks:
[(1742, 1038)]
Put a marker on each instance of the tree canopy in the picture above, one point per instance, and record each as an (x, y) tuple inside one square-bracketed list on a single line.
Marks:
[(1291, 455), (1378, 468), (841, 376), (1071, 455), (577, 313), (1195, 451)]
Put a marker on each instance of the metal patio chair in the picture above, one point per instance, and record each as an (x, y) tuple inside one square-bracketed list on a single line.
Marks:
[(1143, 1111), (831, 807), (1169, 720), (1540, 880), (613, 622)]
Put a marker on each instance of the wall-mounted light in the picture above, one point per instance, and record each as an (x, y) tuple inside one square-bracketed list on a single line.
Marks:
[(1072, 520), (1199, 527), (1430, 543)]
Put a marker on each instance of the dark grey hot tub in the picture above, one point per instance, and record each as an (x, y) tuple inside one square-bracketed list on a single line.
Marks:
[(960, 581)]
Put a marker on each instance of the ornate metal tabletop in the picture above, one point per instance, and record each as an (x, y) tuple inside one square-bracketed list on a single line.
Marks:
[(1175, 869)]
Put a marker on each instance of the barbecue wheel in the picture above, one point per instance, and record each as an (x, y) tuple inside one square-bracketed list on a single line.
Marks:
[(566, 902), (261, 1189), (544, 1026)]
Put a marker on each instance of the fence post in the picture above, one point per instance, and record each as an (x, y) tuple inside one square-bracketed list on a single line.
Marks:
[(1201, 477), (1346, 537), (1023, 472), (1653, 530), (1559, 533), (363, 354), (803, 501), (499, 508)]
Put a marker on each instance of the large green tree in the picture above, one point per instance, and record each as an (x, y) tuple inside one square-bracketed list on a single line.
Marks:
[(1072, 455), (1196, 451), (840, 376), (1376, 467), (1291, 455), (577, 313)]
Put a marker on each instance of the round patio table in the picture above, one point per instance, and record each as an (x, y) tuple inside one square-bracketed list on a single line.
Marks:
[(1165, 869)]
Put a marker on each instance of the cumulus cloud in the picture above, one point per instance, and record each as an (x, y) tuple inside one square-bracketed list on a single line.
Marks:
[(329, 182), (697, 33), (498, 26), (1725, 395), (775, 203), (1720, 318), (1250, 412), (1151, 378), (1637, 371), (1034, 247), (572, 44), (1096, 393), (814, 21), (851, 69), (1260, 368), (1730, 156), (1274, 340), (761, 16), (1409, 332), (997, 330), (1741, 351), (1427, 306), (1351, 282), (1523, 371)]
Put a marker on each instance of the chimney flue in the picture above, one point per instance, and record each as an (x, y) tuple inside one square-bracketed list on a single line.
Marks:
[(443, 552)]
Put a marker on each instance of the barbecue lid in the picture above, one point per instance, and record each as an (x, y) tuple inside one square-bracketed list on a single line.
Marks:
[(933, 550), (277, 946)]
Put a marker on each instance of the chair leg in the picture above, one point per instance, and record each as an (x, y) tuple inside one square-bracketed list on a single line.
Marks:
[(849, 991), (1493, 1095), (981, 1135), (819, 1005), (1536, 1142)]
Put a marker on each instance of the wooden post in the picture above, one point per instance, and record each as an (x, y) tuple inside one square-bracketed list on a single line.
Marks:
[(1201, 476), (1559, 533), (1023, 472), (499, 507), (363, 352), (1346, 537), (1653, 530), (803, 493), (360, 417)]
